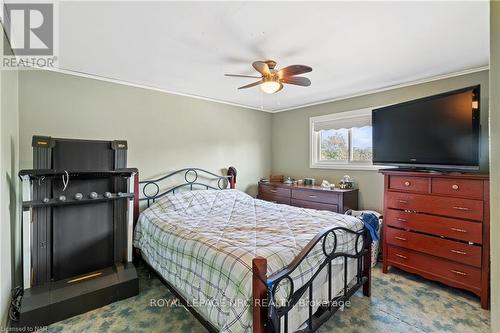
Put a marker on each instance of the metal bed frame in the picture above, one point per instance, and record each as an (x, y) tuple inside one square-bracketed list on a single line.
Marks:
[(268, 315)]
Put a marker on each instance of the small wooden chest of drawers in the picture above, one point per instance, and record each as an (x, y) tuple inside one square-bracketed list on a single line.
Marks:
[(309, 196), (437, 226)]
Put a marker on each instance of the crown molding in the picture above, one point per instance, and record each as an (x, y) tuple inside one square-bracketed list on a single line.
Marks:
[(367, 92), (392, 87), (141, 86)]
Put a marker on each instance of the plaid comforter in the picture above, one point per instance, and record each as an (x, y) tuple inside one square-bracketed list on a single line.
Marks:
[(203, 242)]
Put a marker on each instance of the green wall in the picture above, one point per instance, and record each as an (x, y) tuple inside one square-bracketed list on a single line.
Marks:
[(9, 185), (290, 133), (495, 163), (165, 132)]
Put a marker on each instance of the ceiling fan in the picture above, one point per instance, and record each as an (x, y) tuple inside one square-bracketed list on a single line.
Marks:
[(271, 80)]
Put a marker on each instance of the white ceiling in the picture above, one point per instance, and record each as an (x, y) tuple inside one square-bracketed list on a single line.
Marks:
[(353, 47)]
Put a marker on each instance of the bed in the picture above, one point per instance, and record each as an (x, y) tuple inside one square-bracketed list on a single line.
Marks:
[(245, 265)]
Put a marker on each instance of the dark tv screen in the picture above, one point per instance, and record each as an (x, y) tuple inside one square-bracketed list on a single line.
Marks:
[(440, 131)]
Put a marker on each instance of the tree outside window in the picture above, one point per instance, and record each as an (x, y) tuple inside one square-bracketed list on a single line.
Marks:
[(353, 144), (342, 140)]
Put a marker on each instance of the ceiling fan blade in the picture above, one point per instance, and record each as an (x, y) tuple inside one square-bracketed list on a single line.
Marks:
[(238, 75), (261, 67), (252, 84), (281, 87), (297, 80), (293, 70)]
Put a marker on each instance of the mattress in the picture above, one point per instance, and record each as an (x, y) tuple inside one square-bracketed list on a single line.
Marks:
[(203, 242)]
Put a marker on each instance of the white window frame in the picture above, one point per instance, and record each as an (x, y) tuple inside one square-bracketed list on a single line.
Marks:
[(314, 145)]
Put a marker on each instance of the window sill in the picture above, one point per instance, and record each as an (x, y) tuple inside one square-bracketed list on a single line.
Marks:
[(363, 167)]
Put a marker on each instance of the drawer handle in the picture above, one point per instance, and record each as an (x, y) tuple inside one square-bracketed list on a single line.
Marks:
[(407, 183), (455, 187), (400, 238), (401, 219), (459, 252), (403, 201), (274, 191), (401, 256), (313, 196), (461, 208), (459, 230), (458, 272)]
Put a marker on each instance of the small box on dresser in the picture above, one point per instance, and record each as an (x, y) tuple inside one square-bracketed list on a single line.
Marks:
[(437, 226)]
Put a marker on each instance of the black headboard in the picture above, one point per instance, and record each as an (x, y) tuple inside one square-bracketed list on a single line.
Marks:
[(194, 178)]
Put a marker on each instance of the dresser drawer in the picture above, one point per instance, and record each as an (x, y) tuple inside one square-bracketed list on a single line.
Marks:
[(274, 198), (467, 276), (435, 225), (453, 250), (315, 205), (453, 207), (323, 196), (466, 188), (274, 190), (409, 184)]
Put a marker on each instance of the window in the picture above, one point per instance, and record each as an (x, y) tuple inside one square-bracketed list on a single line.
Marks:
[(342, 140)]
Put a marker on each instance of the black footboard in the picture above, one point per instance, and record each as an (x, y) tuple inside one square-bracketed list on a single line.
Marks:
[(277, 311)]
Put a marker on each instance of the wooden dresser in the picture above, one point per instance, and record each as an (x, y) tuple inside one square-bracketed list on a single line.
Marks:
[(309, 196), (437, 226)]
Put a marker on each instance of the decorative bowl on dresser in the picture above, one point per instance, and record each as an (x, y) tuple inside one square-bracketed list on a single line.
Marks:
[(437, 226), (336, 200)]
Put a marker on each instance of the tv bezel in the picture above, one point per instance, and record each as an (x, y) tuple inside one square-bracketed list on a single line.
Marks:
[(442, 167)]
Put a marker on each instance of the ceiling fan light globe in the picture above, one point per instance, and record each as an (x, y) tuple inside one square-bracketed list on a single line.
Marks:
[(270, 87)]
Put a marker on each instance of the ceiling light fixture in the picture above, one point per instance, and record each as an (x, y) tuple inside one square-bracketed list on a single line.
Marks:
[(270, 87)]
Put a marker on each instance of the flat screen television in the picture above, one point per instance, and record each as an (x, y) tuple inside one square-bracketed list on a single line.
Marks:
[(436, 132)]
